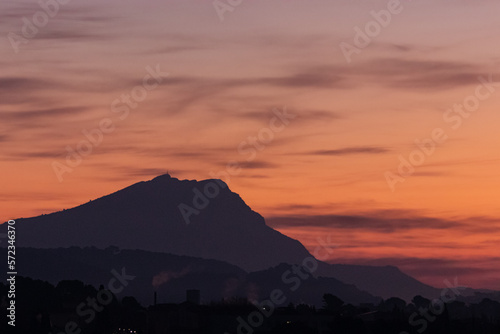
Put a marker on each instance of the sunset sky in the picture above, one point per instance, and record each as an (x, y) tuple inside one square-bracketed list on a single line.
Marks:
[(323, 175)]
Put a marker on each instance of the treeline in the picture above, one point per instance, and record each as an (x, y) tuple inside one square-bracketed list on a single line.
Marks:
[(72, 307)]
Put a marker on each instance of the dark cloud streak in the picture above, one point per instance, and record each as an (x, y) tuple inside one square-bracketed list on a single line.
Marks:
[(351, 150), (385, 225)]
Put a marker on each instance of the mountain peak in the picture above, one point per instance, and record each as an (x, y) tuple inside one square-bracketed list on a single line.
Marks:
[(167, 175), (167, 178), (164, 177)]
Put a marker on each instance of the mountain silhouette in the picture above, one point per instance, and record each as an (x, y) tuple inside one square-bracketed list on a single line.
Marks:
[(383, 281), (202, 219), (146, 216)]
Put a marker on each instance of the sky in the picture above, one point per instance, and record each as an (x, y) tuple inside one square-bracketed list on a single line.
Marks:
[(371, 126)]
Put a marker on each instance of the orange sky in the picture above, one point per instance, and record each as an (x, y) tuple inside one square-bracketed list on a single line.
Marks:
[(322, 174)]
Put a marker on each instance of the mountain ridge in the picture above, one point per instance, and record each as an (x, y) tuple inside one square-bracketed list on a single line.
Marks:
[(170, 275), (146, 216)]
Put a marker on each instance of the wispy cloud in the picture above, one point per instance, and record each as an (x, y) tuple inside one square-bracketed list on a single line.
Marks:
[(257, 165), (351, 150), (387, 221), (36, 115), (366, 223)]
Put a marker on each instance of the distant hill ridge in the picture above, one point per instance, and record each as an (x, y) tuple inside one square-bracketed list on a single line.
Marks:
[(171, 275)]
